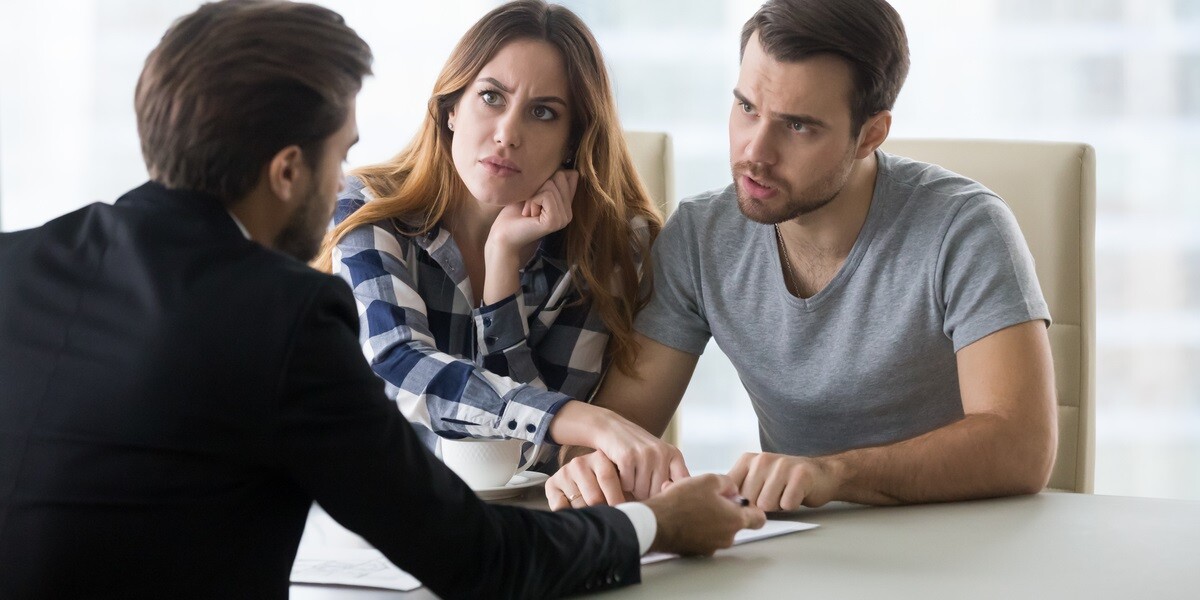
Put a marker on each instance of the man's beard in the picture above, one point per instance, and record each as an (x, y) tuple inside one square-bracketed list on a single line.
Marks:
[(793, 205), (301, 235)]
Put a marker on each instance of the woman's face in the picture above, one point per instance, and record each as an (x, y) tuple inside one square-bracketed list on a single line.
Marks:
[(511, 124)]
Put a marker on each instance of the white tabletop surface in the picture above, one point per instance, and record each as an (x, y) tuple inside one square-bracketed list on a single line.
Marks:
[(1052, 545)]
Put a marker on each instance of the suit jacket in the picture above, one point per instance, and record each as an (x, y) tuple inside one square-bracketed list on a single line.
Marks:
[(173, 397)]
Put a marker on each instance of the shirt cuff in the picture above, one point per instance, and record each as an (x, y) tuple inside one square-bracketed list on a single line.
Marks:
[(528, 411), (500, 325), (643, 521)]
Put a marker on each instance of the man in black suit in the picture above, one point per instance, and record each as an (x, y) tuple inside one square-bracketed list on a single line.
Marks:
[(176, 387)]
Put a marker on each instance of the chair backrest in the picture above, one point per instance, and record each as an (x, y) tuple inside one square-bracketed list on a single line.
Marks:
[(1051, 188), (651, 152), (654, 162)]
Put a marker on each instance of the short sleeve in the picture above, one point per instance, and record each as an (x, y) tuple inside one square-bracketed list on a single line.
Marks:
[(675, 314), (986, 274)]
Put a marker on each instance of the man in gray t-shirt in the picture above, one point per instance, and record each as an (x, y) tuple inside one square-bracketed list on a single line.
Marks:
[(883, 313), (869, 359)]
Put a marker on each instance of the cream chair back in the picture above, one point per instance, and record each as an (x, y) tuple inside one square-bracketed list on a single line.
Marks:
[(651, 152), (1051, 189), (652, 158)]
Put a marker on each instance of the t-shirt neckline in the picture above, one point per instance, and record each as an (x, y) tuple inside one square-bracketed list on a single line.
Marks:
[(865, 236)]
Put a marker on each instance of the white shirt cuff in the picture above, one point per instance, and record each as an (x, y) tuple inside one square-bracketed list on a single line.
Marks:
[(643, 521)]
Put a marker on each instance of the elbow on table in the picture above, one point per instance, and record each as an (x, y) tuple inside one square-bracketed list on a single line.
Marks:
[(1031, 472), (1031, 483)]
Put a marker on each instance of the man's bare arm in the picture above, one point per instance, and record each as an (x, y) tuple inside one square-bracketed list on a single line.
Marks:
[(648, 397), (1004, 445)]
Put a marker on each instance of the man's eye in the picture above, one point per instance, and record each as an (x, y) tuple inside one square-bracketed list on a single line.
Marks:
[(797, 126), (746, 108)]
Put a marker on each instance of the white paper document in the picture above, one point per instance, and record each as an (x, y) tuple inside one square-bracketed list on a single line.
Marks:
[(364, 567), (770, 529), (367, 567)]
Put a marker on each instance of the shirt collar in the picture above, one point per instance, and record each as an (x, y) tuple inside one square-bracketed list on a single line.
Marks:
[(236, 221)]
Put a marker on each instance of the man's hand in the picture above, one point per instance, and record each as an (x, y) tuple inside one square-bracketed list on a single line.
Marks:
[(629, 460), (700, 515), (775, 482)]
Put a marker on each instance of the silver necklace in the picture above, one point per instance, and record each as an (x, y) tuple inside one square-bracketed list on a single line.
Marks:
[(788, 276)]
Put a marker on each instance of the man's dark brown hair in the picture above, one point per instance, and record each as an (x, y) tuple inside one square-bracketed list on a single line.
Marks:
[(235, 82), (868, 34)]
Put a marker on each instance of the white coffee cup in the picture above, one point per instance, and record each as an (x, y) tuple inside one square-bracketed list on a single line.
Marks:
[(483, 463)]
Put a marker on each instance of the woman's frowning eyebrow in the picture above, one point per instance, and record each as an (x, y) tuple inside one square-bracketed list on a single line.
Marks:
[(507, 90)]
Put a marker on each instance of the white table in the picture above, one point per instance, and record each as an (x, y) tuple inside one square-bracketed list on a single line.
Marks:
[(1044, 546)]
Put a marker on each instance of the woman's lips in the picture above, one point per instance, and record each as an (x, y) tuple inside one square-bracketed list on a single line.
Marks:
[(500, 167)]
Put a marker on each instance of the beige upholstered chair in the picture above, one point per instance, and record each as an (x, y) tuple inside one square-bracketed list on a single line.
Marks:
[(1050, 187), (651, 151)]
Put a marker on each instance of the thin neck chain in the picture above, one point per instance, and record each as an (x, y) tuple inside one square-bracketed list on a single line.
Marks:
[(788, 275)]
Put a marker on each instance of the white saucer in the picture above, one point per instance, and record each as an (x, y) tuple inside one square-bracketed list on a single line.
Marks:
[(515, 486)]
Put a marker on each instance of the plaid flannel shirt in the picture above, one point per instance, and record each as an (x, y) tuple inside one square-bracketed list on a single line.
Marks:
[(454, 370)]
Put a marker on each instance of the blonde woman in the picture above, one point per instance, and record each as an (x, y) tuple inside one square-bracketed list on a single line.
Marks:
[(498, 260)]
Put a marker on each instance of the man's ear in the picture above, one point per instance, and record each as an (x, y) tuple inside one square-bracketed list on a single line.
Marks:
[(873, 133), (288, 174)]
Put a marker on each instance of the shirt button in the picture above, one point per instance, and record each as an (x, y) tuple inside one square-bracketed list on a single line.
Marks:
[(530, 428), (487, 321), (512, 424)]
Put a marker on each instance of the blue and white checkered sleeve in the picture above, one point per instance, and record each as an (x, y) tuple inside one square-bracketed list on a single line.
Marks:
[(569, 356), (448, 394), (502, 336), (573, 344)]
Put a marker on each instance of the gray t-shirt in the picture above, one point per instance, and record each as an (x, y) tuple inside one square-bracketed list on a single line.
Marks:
[(870, 359)]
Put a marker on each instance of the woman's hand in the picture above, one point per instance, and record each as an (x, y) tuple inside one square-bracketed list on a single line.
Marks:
[(522, 223), (629, 461), (587, 480)]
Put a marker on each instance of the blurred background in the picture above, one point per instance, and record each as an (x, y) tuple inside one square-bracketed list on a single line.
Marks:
[(1121, 75)]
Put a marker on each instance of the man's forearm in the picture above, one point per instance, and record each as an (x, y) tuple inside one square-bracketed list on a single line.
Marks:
[(649, 395), (982, 455)]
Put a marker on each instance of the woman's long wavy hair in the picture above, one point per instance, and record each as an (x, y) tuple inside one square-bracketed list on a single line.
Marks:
[(420, 186)]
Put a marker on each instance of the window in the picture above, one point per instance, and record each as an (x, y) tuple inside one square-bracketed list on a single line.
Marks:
[(1122, 75), (1189, 85)]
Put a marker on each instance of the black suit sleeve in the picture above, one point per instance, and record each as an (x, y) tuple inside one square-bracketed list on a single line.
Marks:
[(345, 443)]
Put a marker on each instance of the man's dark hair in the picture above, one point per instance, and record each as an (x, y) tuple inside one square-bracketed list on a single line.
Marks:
[(235, 82), (868, 34)]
